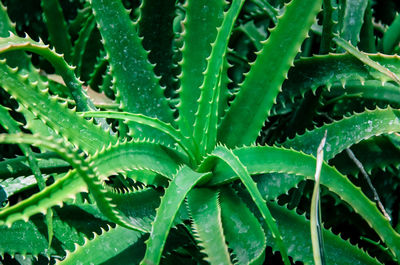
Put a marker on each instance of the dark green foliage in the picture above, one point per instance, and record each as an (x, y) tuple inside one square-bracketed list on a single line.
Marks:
[(185, 132)]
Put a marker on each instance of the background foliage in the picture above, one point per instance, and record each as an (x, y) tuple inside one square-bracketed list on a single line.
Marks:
[(191, 114)]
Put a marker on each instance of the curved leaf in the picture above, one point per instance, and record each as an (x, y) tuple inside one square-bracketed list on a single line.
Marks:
[(371, 89), (241, 171), (206, 120), (14, 42), (376, 152), (112, 242), (296, 234), (148, 121), (12, 126), (202, 19), (207, 226), (47, 162), (57, 27), (242, 230), (133, 74), (184, 180), (243, 122), (68, 228), (138, 206), (62, 189), (327, 70), (83, 168), (265, 159), (137, 155), (63, 120), (365, 59), (348, 131)]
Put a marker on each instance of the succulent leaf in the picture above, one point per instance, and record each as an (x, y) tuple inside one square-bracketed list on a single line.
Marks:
[(201, 20), (184, 180), (132, 73), (57, 27), (205, 210), (242, 229), (81, 132), (358, 127), (301, 164), (242, 124), (111, 245)]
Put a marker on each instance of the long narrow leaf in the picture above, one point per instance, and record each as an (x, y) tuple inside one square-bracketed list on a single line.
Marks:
[(207, 225), (243, 121), (176, 192), (136, 85), (266, 159), (202, 19), (205, 126), (241, 171), (14, 42), (365, 59), (148, 121)]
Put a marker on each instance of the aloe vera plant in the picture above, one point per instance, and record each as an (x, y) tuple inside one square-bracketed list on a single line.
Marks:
[(186, 132)]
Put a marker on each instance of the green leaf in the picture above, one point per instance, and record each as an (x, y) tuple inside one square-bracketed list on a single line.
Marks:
[(63, 120), (112, 242), (207, 226), (47, 162), (71, 225), (148, 121), (268, 9), (348, 131), (296, 234), (139, 206), (156, 26), (372, 89), (271, 185), (12, 126), (57, 27), (376, 152), (327, 70), (184, 180), (327, 26), (62, 189), (81, 43), (266, 159), (367, 37), (112, 160), (11, 186), (242, 173), (137, 88), (6, 26), (242, 230), (84, 168), (205, 126), (26, 44), (366, 59), (243, 122), (391, 37), (136, 155), (352, 20), (207, 114), (99, 69), (202, 19)]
